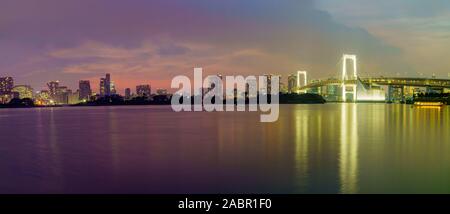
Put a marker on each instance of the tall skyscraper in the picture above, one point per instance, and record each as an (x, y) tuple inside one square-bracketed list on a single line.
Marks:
[(102, 87), (53, 87), (112, 88), (143, 90), (6, 85), (105, 85), (62, 95), (127, 93), (108, 84), (292, 83), (85, 89)]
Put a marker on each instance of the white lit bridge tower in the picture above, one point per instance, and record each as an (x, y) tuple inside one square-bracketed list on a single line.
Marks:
[(349, 81), (300, 82)]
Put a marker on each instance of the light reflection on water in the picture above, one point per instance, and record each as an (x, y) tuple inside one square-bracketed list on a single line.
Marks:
[(331, 148)]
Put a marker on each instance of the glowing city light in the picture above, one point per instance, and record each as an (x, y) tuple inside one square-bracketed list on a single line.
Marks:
[(344, 75), (305, 79)]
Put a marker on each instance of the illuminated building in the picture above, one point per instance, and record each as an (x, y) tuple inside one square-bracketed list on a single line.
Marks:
[(301, 83), (62, 95), (331, 92), (292, 83), (143, 90), (161, 91), (112, 88), (6, 85), (105, 85), (23, 91), (53, 87), (5, 98), (395, 94), (102, 87), (283, 88), (84, 90), (43, 98), (73, 97)]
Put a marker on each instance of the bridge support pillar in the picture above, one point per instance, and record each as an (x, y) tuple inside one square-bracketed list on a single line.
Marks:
[(349, 88), (301, 83)]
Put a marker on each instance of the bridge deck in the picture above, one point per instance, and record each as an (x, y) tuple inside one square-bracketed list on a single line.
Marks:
[(419, 82)]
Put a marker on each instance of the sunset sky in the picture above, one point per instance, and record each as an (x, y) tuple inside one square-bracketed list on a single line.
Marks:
[(151, 41)]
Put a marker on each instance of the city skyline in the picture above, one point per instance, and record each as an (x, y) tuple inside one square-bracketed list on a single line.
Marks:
[(389, 89), (144, 45)]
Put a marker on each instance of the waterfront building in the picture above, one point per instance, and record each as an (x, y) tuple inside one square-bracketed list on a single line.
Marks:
[(292, 83), (62, 95), (102, 87), (6, 85), (143, 90), (283, 88), (113, 88), (73, 97), (127, 93), (84, 90), (43, 98), (105, 85), (22, 91), (161, 91), (53, 87), (108, 84)]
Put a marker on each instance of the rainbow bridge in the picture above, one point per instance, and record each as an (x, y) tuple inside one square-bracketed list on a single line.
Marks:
[(352, 88)]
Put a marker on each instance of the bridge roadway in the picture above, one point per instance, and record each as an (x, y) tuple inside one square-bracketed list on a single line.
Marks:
[(397, 81)]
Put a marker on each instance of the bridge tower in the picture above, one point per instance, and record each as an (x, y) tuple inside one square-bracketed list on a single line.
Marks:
[(349, 81), (301, 83)]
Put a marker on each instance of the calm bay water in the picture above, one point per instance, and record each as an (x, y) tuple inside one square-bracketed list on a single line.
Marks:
[(331, 148)]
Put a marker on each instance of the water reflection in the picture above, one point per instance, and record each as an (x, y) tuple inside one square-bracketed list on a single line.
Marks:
[(331, 148), (348, 156), (301, 150)]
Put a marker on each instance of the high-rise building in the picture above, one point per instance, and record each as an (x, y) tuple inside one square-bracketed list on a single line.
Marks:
[(53, 87), (108, 84), (84, 89), (105, 85), (23, 91), (62, 95), (112, 88), (292, 83), (143, 90), (102, 87), (127, 93), (6, 85), (73, 97)]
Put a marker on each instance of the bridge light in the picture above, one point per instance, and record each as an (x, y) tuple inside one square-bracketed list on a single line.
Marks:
[(344, 74), (305, 80)]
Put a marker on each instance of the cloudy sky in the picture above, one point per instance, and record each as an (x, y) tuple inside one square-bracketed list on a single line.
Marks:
[(151, 41)]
